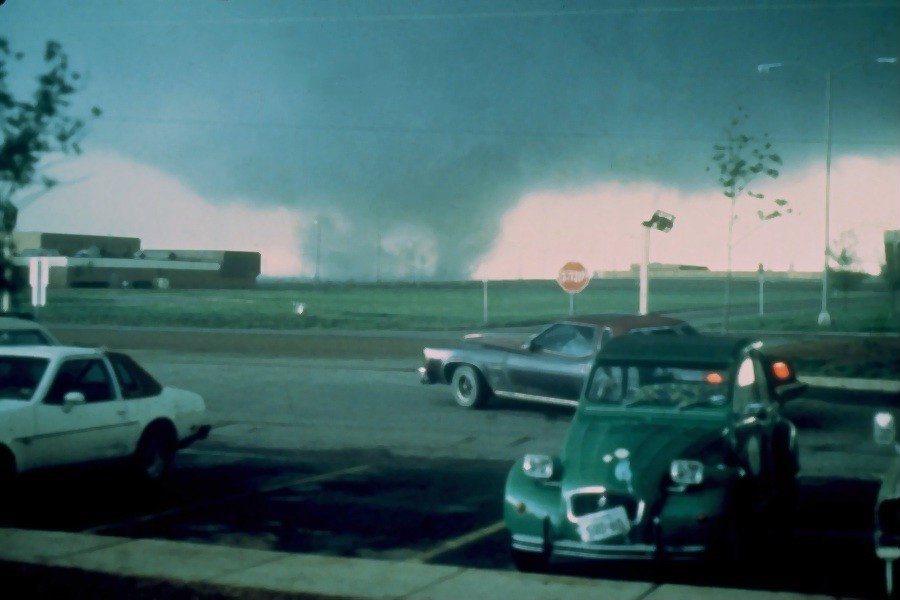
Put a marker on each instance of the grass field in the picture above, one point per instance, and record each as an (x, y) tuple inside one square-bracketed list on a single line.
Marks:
[(870, 318), (439, 306)]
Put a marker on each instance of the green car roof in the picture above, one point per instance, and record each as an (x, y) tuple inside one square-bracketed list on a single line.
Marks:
[(695, 349)]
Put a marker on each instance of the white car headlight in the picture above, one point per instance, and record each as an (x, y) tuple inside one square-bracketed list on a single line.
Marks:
[(686, 472), (538, 466)]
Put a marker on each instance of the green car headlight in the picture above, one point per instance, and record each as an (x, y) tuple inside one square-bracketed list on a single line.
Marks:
[(538, 466), (686, 472)]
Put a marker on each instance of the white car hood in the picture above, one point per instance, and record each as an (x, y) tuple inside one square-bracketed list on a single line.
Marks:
[(184, 400)]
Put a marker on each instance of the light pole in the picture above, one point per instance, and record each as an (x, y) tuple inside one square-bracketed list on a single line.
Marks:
[(318, 247), (662, 221), (824, 319)]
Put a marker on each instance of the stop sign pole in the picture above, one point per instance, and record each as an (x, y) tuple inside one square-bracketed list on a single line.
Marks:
[(572, 278)]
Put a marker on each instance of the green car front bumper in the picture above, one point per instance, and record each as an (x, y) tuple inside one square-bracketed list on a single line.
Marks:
[(687, 525)]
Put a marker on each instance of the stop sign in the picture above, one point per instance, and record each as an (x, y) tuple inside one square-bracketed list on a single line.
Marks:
[(573, 277)]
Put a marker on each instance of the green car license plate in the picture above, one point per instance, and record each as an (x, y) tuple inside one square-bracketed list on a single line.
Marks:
[(604, 524)]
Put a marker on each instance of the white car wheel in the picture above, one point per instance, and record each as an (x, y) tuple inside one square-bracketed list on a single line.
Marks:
[(154, 454)]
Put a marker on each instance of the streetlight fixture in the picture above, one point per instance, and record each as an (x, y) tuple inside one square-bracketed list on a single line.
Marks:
[(661, 221), (824, 319)]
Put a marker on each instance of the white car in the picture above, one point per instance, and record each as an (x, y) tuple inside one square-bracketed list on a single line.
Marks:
[(16, 331), (62, 405)]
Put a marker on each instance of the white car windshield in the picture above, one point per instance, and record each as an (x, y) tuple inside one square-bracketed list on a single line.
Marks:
[(20, 376)]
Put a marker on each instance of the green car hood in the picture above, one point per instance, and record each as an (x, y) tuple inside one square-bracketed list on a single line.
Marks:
[(632, 454)]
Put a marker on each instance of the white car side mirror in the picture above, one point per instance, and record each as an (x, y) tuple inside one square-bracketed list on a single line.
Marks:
[(73, 399)]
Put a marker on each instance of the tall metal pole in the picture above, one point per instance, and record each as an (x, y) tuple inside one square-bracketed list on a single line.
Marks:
[(645, 263), (825, 318), (378, 257), (318, 246)]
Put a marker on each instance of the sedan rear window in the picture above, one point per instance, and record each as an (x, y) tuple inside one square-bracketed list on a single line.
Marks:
[(20, 376), (133, 379)]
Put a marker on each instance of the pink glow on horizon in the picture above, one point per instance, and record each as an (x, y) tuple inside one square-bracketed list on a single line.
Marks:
[(600, 226), (122, 197)]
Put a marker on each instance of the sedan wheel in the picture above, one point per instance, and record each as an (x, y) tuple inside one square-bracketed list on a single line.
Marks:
[(153, 455), (469, 388)]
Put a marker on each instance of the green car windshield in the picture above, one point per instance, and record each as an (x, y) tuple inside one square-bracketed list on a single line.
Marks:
[(658, 386)]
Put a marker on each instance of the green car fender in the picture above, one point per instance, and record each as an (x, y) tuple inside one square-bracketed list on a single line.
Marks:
[(529, 504), (697, 516)]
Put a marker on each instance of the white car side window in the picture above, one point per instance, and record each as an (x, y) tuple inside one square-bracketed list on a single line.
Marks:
[(88, 376)]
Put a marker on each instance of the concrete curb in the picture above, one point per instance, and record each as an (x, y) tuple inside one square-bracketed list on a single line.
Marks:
[(317, 575)]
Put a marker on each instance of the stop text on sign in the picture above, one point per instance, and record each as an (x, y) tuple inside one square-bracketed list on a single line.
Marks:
[(573, 277)]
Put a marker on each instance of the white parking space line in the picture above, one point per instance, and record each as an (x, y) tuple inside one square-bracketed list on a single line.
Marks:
[(459, 542), (223, 499)]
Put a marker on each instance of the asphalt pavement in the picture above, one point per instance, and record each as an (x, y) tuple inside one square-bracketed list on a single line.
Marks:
[(277, 405)]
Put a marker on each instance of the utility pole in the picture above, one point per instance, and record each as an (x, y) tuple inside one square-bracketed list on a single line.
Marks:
[(824, 318), (318, 247)]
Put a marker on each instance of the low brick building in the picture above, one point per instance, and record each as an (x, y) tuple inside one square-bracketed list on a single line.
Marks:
[(108, 261)]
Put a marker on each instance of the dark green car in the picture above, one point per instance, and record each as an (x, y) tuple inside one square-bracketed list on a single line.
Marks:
[(677, 446)]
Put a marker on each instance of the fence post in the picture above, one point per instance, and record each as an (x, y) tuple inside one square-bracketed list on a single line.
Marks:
[(484, 285)]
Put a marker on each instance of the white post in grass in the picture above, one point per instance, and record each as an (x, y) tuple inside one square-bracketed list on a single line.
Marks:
[(762, 282), (484, 320), (644, 275)]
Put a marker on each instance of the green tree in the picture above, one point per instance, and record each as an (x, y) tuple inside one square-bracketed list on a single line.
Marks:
[(739, 160), (34, 126)]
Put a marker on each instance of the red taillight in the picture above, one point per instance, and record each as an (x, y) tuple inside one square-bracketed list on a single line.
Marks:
[(714, 378), (781, 370)]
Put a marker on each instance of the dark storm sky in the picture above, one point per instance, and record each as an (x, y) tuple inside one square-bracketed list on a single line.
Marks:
[(441, 115)]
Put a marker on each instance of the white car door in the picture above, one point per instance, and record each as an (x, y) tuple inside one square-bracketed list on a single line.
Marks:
[(93, 430)]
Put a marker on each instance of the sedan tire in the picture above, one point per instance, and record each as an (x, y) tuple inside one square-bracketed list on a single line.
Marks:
[(470, 390), (154, 454)]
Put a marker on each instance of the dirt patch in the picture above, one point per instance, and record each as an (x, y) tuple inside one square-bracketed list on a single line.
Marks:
[(871, 358), (249, 343)]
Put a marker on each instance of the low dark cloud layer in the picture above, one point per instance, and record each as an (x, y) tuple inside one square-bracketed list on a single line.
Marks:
[(436, 117)]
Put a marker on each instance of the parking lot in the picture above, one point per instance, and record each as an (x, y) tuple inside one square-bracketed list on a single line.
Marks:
[(352, 457)]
